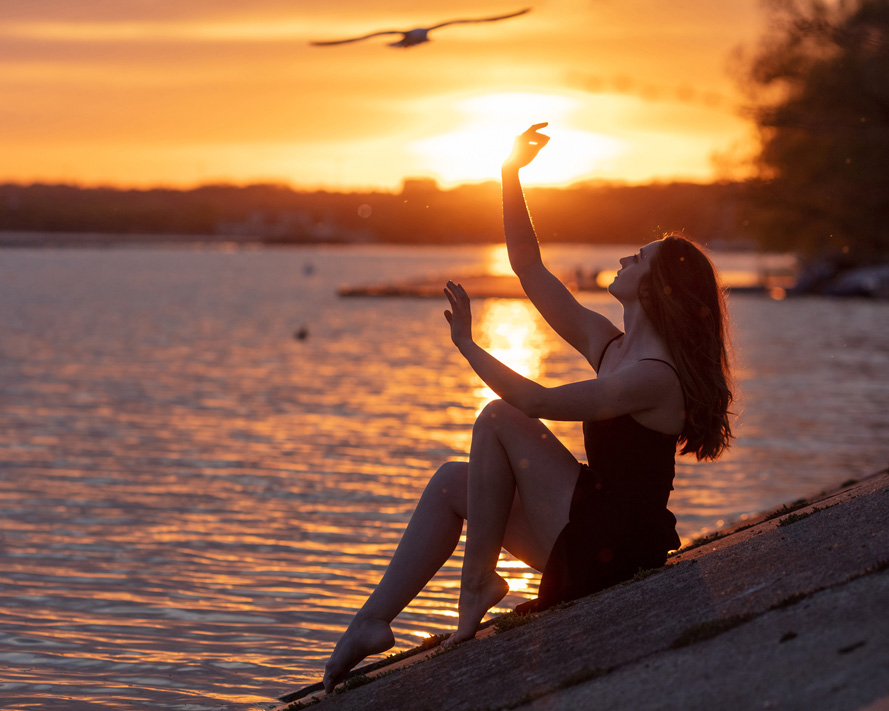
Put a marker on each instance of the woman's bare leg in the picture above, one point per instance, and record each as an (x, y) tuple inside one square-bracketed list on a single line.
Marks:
[(429, 540), (510, 453), (537, 501)]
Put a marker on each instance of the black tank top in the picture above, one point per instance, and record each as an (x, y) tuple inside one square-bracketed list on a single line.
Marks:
[(618, 520), (633, 462)]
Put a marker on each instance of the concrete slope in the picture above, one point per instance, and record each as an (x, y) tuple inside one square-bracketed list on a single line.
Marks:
[(791, 612)]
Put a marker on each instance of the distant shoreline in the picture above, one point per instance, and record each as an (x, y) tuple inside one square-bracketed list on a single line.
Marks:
[(421, 213), (112, 239), (38, 238)]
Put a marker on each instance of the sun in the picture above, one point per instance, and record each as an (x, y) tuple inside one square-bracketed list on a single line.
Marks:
[(475, 149)]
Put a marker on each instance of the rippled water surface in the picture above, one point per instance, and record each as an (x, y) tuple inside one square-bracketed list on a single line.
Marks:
[(193, 499)]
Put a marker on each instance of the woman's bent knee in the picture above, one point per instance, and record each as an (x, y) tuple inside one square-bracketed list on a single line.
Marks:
[(498, 408), (497, 413), (450, 481), (450, 471)]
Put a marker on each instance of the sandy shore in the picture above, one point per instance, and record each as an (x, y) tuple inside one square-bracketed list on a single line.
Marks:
[(790, 611)]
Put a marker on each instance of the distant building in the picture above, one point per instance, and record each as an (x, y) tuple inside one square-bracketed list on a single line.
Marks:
[(293, 226)]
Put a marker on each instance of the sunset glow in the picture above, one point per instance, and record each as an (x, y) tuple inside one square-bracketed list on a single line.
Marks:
[(165, 94), (475, 150)]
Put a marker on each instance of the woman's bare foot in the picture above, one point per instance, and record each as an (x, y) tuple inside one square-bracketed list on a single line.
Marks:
[(475, 601), (365, 636)]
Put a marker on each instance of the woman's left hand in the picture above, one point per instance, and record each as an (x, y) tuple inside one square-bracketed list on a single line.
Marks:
[(526, 147), (460, 317)]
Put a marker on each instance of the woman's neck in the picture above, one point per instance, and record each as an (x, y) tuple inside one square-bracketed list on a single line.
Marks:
[(641, 339)]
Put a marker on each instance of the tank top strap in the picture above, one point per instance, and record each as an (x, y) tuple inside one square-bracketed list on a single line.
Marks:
[(605, 349), (673, 368)]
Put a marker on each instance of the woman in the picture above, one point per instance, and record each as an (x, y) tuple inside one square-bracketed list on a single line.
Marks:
[(660, 383)]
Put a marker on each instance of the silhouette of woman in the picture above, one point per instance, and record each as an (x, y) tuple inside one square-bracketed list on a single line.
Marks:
[(662, 383)]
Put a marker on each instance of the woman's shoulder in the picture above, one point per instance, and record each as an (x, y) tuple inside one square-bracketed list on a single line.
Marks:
[(601, 343), (665, 360)]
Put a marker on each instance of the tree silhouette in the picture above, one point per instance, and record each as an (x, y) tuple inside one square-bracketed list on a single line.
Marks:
[(820, 88)]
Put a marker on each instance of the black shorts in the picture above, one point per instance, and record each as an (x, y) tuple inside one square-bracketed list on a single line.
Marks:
[(607, 539)]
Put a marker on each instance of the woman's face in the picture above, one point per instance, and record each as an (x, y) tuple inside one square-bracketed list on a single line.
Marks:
[(633, 268)]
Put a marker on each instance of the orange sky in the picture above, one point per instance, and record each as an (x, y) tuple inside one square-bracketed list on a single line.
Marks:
[(182, 93)]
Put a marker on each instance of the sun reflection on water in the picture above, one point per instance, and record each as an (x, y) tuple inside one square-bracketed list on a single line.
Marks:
[(497, 260), (509, 330)]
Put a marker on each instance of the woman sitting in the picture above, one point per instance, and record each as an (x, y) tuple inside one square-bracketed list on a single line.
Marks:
[(662, 383)]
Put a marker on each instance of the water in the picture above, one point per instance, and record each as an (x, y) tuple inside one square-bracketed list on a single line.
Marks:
[(193, 500)]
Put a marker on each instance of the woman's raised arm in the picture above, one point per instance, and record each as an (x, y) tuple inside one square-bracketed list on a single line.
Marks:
[(585, 330)]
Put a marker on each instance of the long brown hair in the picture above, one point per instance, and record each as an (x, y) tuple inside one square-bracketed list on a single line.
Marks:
[(684, 300)]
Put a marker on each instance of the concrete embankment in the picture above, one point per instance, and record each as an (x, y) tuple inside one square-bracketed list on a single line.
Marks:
[(787, 612)]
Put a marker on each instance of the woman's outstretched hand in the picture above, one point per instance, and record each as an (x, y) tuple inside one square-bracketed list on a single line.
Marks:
[(526, 147), (460, 315)]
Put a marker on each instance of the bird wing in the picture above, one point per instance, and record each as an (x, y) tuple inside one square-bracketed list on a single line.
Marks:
[(482, 19), (357, 39)]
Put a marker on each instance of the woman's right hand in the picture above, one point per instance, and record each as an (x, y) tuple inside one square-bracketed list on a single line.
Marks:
[(526, 147), (460, 318)]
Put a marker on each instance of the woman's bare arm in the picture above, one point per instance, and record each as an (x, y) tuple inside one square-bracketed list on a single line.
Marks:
[(585, 330), (641, 387)]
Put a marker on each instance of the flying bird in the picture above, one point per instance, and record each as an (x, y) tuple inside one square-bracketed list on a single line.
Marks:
[(419, 35)]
